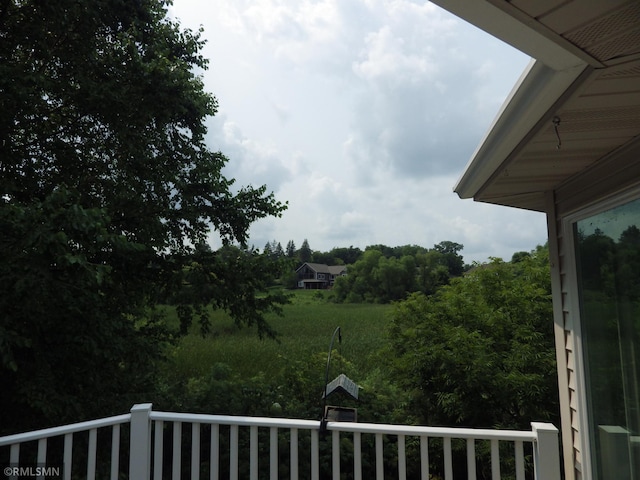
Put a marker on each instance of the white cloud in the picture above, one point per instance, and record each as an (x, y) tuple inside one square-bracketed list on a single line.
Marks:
[(386, 56), (362, 115)]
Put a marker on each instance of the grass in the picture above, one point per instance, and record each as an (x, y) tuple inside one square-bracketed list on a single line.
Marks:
[(304, 330)]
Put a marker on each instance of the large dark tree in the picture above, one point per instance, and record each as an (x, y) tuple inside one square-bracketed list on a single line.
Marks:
[(105, 184)]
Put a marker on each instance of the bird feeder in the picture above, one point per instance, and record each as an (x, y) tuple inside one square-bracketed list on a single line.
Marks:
[(343, 384)]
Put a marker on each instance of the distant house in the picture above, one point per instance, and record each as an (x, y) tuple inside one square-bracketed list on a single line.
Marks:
[(318, 275)]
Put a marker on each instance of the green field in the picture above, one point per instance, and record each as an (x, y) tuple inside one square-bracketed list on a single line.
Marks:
[(305, 330)]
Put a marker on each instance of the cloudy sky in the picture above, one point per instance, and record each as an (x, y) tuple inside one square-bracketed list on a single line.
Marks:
[(362, 115)]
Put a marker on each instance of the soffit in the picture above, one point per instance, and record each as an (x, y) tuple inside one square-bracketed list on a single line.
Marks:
[(598, 114), (599, 118)]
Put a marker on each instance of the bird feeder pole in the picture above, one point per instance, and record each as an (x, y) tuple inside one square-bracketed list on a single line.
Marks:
[(323, 423)]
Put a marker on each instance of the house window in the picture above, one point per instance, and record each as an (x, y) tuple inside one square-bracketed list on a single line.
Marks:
[(321, 276), (607, 251)]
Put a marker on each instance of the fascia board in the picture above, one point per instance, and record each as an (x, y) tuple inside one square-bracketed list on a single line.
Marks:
[(519, 31), (535, 93)]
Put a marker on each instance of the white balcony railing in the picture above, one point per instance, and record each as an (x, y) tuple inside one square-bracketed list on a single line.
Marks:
[(159, 445)]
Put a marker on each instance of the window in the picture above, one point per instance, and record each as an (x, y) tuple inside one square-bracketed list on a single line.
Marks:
[(607, 251)]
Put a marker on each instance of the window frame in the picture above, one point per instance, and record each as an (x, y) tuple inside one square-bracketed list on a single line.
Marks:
[(574, 320)]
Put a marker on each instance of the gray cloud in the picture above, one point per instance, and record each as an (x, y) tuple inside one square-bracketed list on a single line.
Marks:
[(249, 162), (412, 131)]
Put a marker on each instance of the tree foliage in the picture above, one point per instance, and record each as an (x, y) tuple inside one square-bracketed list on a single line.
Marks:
[(480, 352), (385, 274), (291, 249), (105, 185), (231, 279), (304, 254)]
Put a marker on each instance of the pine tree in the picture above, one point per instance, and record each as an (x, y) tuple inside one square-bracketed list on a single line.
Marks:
[(305, 253)]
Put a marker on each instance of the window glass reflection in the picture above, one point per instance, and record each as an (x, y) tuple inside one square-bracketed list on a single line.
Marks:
[(608, 265)]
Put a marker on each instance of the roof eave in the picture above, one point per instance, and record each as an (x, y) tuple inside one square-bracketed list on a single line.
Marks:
[(532, 100)]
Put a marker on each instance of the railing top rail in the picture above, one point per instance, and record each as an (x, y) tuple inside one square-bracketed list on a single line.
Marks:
[(235, 420), (373, 428), (443, 432), (63, 430)]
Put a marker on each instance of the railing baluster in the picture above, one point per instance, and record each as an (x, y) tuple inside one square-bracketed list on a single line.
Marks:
[(91, 455), (471, 459), (402, 458), (214, 472), (14, 454), (448, 463), (158, 449), (42, 451), (379, 457), (495, 459), (177, 451), (195, 451), (115, 452), (357, 456), (67, 455), (315, 455), (519, 459), (253, 451), (424, 457), (273, 452), (293, 456), (335, 454), (233, 445)]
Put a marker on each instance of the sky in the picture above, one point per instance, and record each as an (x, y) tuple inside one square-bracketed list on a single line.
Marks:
[(362, 115)]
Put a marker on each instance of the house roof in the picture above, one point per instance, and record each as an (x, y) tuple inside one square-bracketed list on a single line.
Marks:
[(337, 269), (316, 267), (576, 105), (323, 268)]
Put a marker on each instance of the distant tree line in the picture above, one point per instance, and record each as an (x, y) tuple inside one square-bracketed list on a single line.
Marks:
[(385, 274), (378, 274), (335, 256)]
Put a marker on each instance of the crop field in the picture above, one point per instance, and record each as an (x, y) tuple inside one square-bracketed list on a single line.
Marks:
[(304, 330)]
